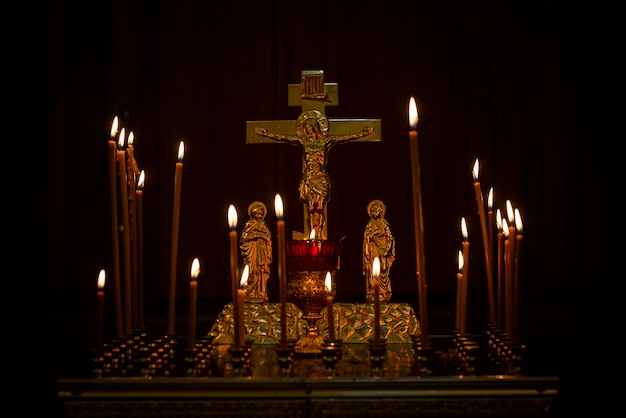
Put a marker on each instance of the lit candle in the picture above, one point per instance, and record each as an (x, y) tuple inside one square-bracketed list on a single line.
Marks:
[(139, 194), (232, 234), (459, 290), (483, 226), (519, 235), (510, 216), (500, 253), (490, 283), (328, 285), (376, 285), (418, 222), (314, 244), (511, 268), (101, 280), (117, 289), (178, 179), (508, 280), (132, 172), (282, 269), (519, 227), (465, 246), (241, 300), (121, 159), (193, 297)]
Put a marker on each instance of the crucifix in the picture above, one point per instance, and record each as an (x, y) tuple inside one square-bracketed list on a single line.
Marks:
[(312, 132)]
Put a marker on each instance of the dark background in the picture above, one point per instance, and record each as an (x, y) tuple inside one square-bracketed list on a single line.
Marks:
[(527, 87)]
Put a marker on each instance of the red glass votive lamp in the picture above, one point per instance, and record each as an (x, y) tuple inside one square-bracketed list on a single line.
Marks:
[(313, 255)]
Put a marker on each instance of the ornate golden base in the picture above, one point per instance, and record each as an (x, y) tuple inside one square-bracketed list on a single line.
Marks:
[(354, 321), (306, 290), (311, 343)]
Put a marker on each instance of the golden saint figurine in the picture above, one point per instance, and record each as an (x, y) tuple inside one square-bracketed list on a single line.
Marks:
[(378, 241), (312, 135), (256, 250)]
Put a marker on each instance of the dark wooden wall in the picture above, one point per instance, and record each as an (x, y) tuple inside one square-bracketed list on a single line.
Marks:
[(513, 84)]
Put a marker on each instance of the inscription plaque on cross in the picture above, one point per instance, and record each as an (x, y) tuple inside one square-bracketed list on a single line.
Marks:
[(315, 134)]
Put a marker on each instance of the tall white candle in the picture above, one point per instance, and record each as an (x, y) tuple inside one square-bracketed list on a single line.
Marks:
[(328, 285), (193, 297), (418, 221), (465, 245), (519, 235), (101, 280), (121, 160), (232, 235), (376, 284), (501, 268), (239, 315), (178, 179), (282, 269), (459, 291), (117, 286), (483, 226)]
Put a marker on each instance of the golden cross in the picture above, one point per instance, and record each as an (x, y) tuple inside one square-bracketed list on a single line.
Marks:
[(315, 134)]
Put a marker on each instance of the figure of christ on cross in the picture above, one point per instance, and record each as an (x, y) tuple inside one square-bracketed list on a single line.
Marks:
[(312, 128)]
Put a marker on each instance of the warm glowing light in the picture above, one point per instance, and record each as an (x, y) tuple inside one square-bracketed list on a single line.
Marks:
[(490, 200), (131, 138), (120, 141), (413, 116), (376, 268), (499, 220), (232, 217), (244, 277), (464, 229), (101, 279), (141, 181), (312, 234), (475, 171), (461, 261), (278, 207), (518, 222), (195, 269), (510, 215), (328, 284), (114, 127), (505, 228), (181, 151)]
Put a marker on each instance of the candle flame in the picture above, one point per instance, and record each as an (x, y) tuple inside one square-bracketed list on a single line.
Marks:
[(114, 127), (278, 207), (413, 116), (490, 200), (461, 261), (232, 217), (101, 279), (499, 220), (376, 268), (141, 181), (475, 171), (120, 141), (510, 215), (131, 138), (312, 234), (328, 284), (505, 228), (195, 269), (518, 222), (244, 277), (464, 230), (181, 151)]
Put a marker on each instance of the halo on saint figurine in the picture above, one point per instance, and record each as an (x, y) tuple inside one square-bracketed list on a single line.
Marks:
[(256, 204), (377, 202), (319, 118)]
